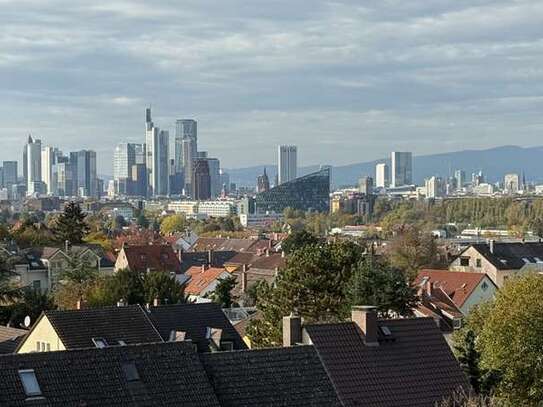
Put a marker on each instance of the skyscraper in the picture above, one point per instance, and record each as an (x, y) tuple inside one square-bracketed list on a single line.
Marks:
[(201, 180), (263, 182), (83, 165), (402, 168), (382, 175), (365, 185), (33, 165), (287, 163), (156, 144), (460, 178), (511, 183), (214, 176), (185, 129), (10, 173), (48, 159)]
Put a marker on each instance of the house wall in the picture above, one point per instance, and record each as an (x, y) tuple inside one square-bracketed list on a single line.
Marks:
[(122, 261), (27, 277), (42, 332), (479, 295), (486, 267)]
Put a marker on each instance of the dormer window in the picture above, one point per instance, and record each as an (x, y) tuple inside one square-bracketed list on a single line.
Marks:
[(30, 382), (100, 343), (130, 372)]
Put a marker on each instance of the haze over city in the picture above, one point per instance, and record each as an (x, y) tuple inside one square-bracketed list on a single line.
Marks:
[(346, 81)]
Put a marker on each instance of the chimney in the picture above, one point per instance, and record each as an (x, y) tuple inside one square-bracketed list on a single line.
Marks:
[(81, 304), (292, 330), (66, 246), (267, 252), (180, 255), (203, 268), (120, 303), (365, 317), (283, 254), (491, 245), (210, 256), (428, 287), (156, 302), (243, 278)]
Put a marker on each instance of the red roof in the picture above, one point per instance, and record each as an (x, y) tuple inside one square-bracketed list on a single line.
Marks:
[(200, 278), (153, 257), (458, 285)]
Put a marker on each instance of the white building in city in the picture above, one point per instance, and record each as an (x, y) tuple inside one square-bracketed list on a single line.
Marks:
[(287, 163), (157, 146), (382, 175)]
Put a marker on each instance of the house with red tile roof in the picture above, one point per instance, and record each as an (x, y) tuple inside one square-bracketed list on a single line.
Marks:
[(203, 280), (144, 258), (448, 296)]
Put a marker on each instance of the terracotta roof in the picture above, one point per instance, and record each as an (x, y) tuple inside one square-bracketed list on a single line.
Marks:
[(200, 279), (10, 338), (165, 374), (154, 257), (270, 377), (413, 366), (457, 285), (77, 328), (194, 320)]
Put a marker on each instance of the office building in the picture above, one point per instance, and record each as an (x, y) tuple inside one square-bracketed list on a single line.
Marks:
[(402, 168), (225, 181), (185, 129), (382, 175), (365, 185), (33, 165), (10, 173), (263, 182), (434, 187), (157, 146), (308, 193), (215, 176), (460, 179), (48, 159), (511, 183), (83, 165), (201, 180), (138, 180), (287, 163)]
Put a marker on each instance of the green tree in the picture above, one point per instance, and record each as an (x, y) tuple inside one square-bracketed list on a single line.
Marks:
[(162, 286), (222, 294), (470, 358), (297, 240), (32, 303), (173, 224), (9, 291), (74, 282), (70, 225), (374, 282)]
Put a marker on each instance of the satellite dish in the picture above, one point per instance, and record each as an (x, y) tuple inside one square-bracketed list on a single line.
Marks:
[(27, 321)]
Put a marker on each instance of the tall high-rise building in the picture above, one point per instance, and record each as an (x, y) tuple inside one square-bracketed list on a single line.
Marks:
[(63, 178), (402, 168), (48, 159), (85, 182), (124, 157), (365, 185), (189, 154), (460, 178), (185, 129), (434, 187), (287, 163), (263, 182), (214, 176), (33, 165), (201, 180), (157, 146), (10, 173), (382, 175), (511, 183)]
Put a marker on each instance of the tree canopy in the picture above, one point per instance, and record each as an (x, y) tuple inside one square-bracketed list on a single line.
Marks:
[(70, 225)]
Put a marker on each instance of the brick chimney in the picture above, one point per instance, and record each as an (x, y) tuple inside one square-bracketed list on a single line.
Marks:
[(365, 317), (292, 330), (210, 257), (156, 302), (121, 303), (81, 304), (243, 278)]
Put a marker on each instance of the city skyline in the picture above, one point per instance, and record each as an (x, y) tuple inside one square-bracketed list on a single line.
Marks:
[(392, 75)]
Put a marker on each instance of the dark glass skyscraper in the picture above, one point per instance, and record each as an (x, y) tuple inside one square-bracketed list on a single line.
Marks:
[(308, 193), (201, 180)]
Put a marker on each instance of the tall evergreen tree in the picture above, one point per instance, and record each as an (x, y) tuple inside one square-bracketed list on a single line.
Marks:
[(71, 225)]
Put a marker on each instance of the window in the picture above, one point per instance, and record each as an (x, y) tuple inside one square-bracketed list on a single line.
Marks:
[(122, 343), (38, 346), (30, 382), (130, 372), (386, 330), (484, 286), (227, 345), (478, 263), (464, 261), (36, 285), (457, 323), (99, 342)]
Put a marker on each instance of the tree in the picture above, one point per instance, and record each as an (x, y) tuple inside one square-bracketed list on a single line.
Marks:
[(312, 285), (161, 285), (469, 359), (74, 282), (511, 340), (173, 224), (31, 303), (223, 292), (71, 225), (411, 249), (9, 291), (374, 282), (297, 240)]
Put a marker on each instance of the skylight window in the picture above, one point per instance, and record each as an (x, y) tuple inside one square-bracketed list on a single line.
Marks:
[(30, 382), (130, 372), (100, 343), (386, 330)]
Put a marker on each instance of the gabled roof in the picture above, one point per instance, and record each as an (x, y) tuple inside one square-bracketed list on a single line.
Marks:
[(218, 259), (511, 255), (270, 377), (412, 367), (272, 261), (10, 338), (201, 279), (77, 328), (457, 285), (225, 244), (154, 257), (194, 320), (170, 374)]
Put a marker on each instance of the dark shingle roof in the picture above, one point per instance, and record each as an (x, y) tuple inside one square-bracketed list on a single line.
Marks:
[(194, 319), (170, 375), (413, 367), (270, 377), (76, 328), (192, 259), (10, 338), (511, 255)]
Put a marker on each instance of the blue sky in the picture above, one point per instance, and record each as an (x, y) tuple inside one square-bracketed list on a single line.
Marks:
[(346, 81)]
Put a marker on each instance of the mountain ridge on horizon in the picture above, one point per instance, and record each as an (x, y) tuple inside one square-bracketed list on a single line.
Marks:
[(495, 162)]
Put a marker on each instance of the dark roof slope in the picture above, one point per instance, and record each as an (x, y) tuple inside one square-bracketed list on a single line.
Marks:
[(10, 338), (270, 377), (227, 244), (218, 259), (412, 367), (170, 374), (511, 255), (76, 328), (194, 319)]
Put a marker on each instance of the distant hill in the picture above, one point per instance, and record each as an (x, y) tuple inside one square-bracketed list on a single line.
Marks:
[(494, 162)]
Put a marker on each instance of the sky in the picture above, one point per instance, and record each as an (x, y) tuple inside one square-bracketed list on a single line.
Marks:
[(346, 81)]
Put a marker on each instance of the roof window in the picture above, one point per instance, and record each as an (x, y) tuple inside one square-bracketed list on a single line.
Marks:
[(30, 382), (100, 343), (386, 330), (130, 372)]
